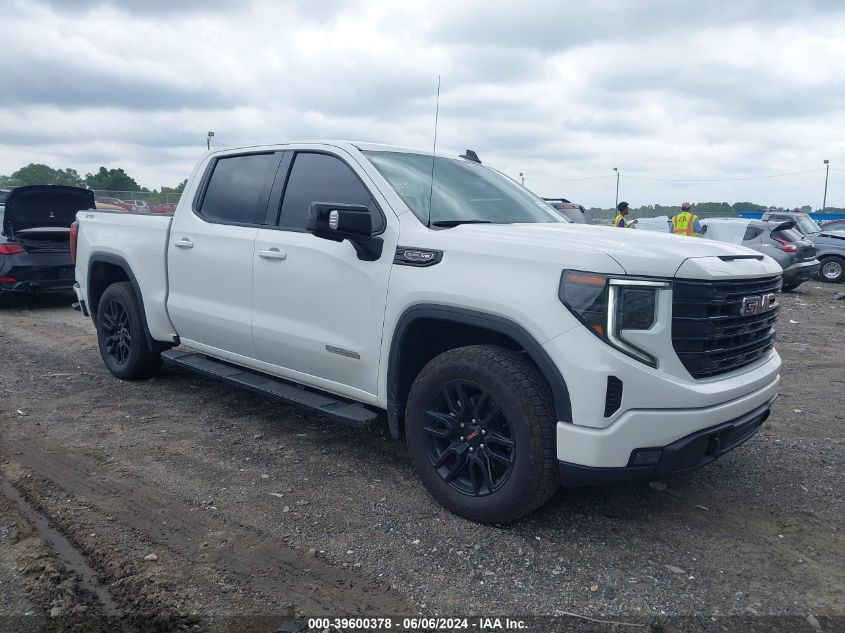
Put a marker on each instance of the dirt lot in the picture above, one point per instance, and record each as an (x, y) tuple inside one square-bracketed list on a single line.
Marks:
[(201, 507)]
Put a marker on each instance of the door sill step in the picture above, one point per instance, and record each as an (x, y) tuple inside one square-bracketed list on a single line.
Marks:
[(328, 406)]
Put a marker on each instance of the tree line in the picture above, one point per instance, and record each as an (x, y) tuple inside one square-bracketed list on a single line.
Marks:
[(117, 180), (102, 180)]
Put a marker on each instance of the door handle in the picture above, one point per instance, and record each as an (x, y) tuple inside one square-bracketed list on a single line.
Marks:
[(184, 243), (273, 253)]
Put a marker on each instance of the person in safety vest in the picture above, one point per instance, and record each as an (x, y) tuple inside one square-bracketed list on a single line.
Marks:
[(620, 221), (686, 222)]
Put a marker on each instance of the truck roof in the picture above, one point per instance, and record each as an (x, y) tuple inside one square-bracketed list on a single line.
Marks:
[(361, 145)]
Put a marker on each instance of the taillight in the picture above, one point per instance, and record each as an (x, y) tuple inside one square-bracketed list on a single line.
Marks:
[(74, 233), (786, 247), (10, 249)]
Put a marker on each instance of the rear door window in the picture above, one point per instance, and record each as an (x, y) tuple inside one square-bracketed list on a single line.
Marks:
[(752, 233), (238, 189), (788, 235), (323, 178)]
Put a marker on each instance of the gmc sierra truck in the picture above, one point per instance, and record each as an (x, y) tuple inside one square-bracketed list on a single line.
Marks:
[(514, 351)]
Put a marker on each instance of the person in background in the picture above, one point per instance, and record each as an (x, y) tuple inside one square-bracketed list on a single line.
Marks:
[(686, 222), (620, 221)]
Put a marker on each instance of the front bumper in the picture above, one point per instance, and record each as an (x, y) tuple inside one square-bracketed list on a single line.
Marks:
[(612, 446), (688, 453)]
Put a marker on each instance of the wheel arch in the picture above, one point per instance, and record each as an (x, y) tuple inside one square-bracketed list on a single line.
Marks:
[(105, 269), (411, 349)]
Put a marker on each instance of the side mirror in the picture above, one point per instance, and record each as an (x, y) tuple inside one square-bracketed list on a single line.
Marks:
[(338, 222)]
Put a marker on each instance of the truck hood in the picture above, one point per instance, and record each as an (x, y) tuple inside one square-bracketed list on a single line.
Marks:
[(44, 206), (637, 252)]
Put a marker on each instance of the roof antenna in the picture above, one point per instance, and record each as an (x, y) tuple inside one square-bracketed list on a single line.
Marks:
[(433, 150)]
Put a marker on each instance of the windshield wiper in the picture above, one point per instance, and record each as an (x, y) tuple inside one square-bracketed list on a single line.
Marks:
[(449, 223)]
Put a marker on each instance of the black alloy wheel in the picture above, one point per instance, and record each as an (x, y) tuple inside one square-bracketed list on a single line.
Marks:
[(470, 442), (122, 336), (117, 331), (480, 426)]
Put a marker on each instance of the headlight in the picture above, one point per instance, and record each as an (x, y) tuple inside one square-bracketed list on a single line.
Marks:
[(608, 305)]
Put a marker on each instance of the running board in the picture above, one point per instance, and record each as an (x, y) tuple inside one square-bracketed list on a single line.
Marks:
[(338, 410)]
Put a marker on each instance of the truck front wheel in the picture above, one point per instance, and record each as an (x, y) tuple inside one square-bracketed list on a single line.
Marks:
[(480, 428), (120, 333)]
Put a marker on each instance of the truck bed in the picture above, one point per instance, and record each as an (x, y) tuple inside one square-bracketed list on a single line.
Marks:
[(139, 240)]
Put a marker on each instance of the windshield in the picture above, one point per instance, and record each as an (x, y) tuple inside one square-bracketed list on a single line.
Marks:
[(463, 191), (806, 225)]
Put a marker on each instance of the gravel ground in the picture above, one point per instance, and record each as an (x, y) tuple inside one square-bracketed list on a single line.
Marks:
[(252, 507)]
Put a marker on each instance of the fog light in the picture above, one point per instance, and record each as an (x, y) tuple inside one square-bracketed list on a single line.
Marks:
[(646, 456)]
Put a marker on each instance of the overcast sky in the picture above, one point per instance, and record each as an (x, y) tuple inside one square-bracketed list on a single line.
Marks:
[(558, 90)]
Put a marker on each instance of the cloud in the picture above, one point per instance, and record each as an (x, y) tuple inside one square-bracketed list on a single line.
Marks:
[(556, 90)]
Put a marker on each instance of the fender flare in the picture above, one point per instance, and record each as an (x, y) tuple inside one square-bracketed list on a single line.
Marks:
[(120, 262), (464, 316)]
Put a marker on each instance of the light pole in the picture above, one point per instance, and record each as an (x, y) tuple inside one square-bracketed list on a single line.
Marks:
[(208, 140), (616, 169), (826, 172)]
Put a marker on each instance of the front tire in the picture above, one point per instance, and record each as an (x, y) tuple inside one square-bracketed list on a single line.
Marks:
[(481, 433), (121, 334), (832, 270)]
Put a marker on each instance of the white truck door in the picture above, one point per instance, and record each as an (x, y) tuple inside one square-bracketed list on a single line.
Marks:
[(210, 254), (318, 310)]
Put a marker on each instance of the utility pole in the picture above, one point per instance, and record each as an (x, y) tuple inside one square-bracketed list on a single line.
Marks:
[(208, 140), (522, 178), (616, 169), (826, 172)]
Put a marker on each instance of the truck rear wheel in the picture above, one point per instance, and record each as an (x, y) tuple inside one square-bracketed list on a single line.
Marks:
[(121, 335), (481, 433)]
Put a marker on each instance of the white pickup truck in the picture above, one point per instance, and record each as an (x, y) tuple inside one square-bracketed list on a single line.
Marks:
[(513, 350)]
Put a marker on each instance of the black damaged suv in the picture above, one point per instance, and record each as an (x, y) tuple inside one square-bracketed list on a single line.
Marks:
[(35, 238)]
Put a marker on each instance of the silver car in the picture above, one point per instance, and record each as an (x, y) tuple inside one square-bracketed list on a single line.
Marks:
[(778, 239)]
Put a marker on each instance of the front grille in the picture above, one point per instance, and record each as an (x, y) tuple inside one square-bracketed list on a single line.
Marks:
[(710, 335)]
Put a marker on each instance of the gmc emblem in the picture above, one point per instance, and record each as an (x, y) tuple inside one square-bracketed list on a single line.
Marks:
[(758, 304)]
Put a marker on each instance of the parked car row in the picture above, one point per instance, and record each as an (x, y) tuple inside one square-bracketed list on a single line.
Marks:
[(137, 206), (780, 240), (829, 243), (805, 249)]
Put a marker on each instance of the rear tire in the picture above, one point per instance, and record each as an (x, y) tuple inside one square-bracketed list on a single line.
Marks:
[(480, 428), (832, 270), (121, 334)]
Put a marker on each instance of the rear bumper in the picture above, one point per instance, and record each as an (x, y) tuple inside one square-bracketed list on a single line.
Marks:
[(38, 287), (28, 273), (688, 453), (802, 271)]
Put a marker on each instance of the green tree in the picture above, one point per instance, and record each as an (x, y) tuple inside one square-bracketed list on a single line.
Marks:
[(177, 189), (39, 174), (111, 180)]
